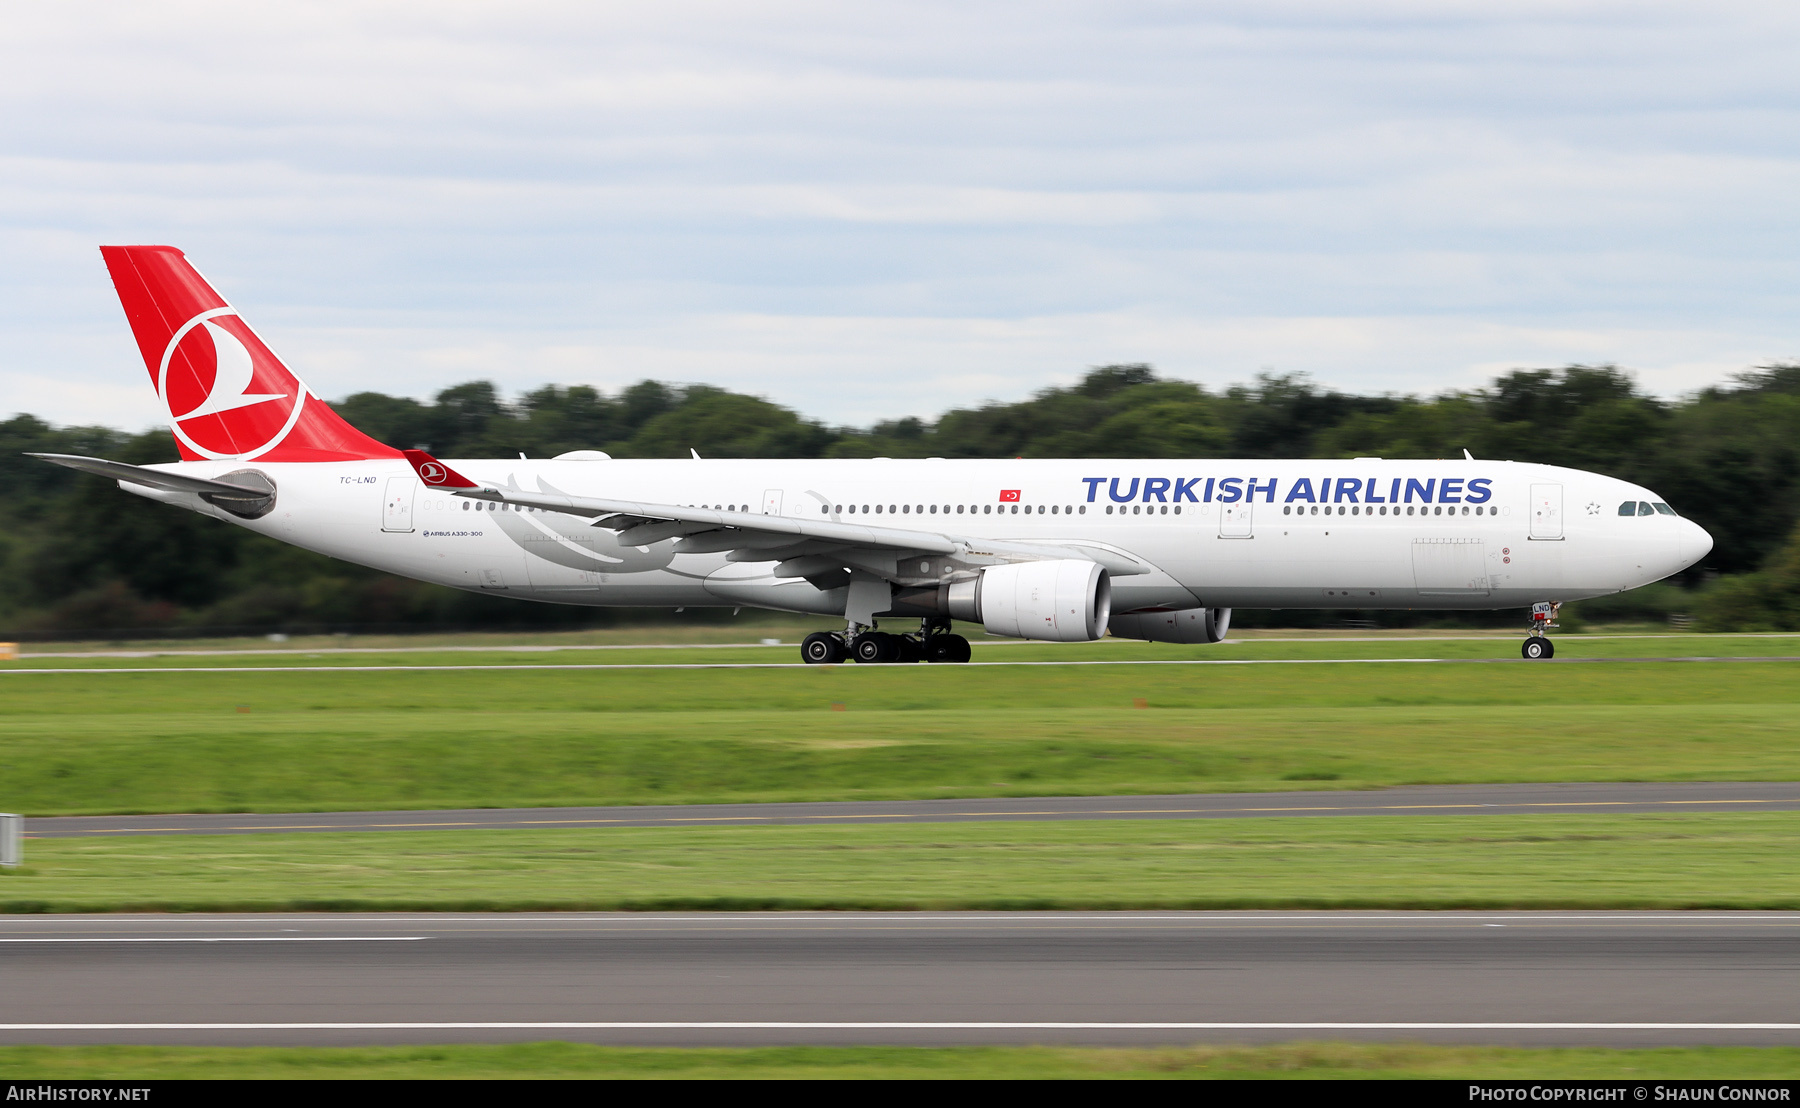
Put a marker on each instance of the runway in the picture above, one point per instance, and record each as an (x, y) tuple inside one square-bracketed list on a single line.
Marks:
[(530, 666), (1431, 800), (551, 648), (1559, 978)]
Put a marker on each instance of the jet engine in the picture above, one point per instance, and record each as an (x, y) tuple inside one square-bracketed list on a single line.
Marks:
[(1192, 625), (1067, 600)]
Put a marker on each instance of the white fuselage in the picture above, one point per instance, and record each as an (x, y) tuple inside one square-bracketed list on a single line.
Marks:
[(1314, 534)]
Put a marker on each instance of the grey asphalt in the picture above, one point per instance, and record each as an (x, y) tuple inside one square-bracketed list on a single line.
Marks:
[(1437, 800), (1550, 977)]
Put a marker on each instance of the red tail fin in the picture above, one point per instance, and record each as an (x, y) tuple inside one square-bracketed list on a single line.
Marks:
[(228, 396)]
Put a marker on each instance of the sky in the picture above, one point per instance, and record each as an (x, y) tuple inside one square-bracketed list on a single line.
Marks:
[(872, 210)]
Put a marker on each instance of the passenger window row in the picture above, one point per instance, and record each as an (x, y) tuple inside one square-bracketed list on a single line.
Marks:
[(959, 509), (1424, 510), (490, 506)]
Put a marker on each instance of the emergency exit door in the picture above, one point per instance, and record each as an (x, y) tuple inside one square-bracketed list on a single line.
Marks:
[(1234, 520), (1546, 511), (771, 502)]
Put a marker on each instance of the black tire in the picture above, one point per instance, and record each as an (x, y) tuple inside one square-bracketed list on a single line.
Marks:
[(875, 646), (909, 649), (947, 648), (1549, 649), (1536, 647), (822, 648)]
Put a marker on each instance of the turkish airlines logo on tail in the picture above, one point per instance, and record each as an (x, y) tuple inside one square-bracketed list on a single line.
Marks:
[(435, 474), (226, 394)]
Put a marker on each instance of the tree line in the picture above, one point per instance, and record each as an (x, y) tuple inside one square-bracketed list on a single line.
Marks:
[(78, 555)]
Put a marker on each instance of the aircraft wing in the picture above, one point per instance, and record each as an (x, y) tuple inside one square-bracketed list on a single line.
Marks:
[(804, 547)]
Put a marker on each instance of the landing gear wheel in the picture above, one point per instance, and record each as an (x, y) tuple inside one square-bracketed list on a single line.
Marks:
[(822, 648), (875, 646), (1537, 647), (947, 648), (910, 649)]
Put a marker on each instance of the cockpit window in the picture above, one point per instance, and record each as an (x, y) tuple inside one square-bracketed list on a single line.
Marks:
[(1629, 508), (1644, 508), (1664, 509)]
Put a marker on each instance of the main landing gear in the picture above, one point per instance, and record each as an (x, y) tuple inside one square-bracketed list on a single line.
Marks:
[(1537, 644), (934, 642)]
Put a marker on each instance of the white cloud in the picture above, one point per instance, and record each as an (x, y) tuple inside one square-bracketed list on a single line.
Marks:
[(887, 209)]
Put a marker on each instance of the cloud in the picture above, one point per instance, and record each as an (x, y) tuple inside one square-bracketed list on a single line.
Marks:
[(886, 209)]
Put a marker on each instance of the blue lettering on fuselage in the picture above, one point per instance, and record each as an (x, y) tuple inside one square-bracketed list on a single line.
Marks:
[(1327, 490)]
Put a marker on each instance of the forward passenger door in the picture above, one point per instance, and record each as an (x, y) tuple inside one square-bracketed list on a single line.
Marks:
[(1546, 511)]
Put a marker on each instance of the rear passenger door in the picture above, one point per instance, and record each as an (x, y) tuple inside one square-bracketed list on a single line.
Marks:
[(397, 506)]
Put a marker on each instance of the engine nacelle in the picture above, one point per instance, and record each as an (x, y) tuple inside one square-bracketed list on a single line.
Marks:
[(1060, 601), (1193, 625)]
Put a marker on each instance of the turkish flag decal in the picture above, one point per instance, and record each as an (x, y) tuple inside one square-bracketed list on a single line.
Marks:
[(1009, 496)]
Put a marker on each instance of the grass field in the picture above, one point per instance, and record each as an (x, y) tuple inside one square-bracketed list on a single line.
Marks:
[(574, 1060), (327, 740), (1542, 861)]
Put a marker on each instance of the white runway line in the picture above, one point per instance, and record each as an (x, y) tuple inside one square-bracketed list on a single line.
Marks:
[(697, 665), (897, 1025), (232, 939), (881, 669), (1397, 916)]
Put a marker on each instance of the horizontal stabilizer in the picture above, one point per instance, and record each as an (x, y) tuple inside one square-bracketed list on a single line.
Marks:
[(155, 478)]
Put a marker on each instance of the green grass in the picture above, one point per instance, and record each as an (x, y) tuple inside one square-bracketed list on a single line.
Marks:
[(578, 1060), (324, 740), (1590, 861)]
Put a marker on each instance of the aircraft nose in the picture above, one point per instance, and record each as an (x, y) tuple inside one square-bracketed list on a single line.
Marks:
[(1696, 543)]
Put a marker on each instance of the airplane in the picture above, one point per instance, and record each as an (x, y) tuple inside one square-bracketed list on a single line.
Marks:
[(1061, 550)]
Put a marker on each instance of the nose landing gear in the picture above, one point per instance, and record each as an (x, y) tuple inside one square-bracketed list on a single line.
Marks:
[(1537, 644)]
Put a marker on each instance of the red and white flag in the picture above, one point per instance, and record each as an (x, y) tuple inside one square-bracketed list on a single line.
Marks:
[(1009, 496)]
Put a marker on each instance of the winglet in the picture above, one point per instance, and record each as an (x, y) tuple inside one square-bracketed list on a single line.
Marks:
[(436, 474)]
